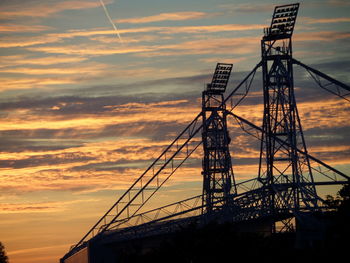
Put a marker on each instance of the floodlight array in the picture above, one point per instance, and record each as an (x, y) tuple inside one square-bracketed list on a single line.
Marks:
[(220, 78), (283, 21)]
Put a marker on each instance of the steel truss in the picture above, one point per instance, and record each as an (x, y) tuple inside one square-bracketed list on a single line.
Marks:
[(154, 177), (250, 198), (326, 82), (287, 176)]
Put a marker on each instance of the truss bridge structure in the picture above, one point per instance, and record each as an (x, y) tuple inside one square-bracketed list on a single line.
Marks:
[(285, 187)]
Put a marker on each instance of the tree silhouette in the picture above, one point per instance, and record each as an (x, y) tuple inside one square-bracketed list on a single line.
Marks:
[(341, 201), (340, 231), (344, 193), (3, 257)]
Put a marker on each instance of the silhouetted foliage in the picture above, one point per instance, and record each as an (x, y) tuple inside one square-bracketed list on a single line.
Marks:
[(344, 193), (341, 201), (3, 257), (339, 232), (332, 202)]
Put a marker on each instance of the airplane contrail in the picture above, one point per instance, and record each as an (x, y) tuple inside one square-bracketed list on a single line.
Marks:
[(110, 20)]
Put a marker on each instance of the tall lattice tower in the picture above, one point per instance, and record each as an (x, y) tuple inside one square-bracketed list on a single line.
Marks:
[(218, 178), (284, 166)]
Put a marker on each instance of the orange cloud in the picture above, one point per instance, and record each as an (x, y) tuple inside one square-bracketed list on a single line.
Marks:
[(327, 36), (36, 76), (87, 68), (40, 254), (42, 207), (223, 60), (23, 41), (312, 114), (69, 73), (140, 114), (178, 16), (130, 40), (309, 20), (91, 50), (211, 28), (22, 28), (330, 148), (16, 60), (44, 9), (325, 113), (205, 46), (61, 178), (338, 3), (28, 83), (36, 250)]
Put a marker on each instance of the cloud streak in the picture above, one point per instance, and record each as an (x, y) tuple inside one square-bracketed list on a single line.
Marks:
[(176, 16), (42, 207), (20, 9), (23, 28), (310, 20)]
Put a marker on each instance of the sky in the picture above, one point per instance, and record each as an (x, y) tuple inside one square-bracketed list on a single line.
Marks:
[(91, 94)]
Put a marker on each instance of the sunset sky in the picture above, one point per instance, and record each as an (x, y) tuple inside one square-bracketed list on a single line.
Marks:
[(85, 108)]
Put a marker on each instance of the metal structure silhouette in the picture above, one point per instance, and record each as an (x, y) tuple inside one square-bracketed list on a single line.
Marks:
[(282, 169), (218, 178), (286, 181)]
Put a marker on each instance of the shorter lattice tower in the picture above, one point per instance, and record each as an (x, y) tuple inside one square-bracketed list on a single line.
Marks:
[(218, 178)]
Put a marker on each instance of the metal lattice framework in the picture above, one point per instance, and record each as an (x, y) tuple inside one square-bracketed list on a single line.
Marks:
[(218, 178), (287, 175), (280, 163)]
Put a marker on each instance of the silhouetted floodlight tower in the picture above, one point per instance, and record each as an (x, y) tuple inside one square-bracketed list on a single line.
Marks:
[(283, 170), (284, 187), (218, 178)]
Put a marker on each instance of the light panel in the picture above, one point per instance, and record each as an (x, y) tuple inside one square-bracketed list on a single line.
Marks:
[(220, 78), (283, 22)]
